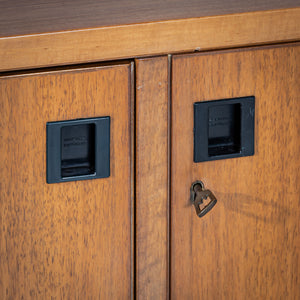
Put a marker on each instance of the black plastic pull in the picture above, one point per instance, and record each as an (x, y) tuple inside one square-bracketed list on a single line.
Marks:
[(224, 128), (78, 149), (198, 194)]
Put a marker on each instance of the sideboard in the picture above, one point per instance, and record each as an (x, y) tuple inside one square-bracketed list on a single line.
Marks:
[(115, 93)]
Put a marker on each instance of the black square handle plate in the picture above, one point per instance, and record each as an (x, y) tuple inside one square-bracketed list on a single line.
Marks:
[(224, 128), (78, 149)]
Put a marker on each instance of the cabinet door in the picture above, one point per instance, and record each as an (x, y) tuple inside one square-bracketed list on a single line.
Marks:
[(69, 240), (247, 246)]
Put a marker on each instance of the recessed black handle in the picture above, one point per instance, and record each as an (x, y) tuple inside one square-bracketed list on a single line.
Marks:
[(78, 149), (224, 128)]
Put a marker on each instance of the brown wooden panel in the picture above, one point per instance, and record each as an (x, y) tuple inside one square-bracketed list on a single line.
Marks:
[(154, 38), (152, 178), (247, 247), (29, 16), (70, 240)]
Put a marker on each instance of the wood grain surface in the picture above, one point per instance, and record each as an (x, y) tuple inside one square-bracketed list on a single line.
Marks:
[(69, 240), (152, 38), (247, 246), (152, 184), (31, 17)]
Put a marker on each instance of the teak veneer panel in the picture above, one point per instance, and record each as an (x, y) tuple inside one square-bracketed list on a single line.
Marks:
[(152, 38), (152, 185), (69, 240), (31, 17), (247, 246)]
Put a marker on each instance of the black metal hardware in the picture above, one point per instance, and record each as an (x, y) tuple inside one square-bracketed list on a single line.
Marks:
[(78, 149), (223, 128), (198, 194)]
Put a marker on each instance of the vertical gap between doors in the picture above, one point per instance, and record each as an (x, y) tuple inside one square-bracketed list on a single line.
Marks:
[(169, 176), (133, 178)]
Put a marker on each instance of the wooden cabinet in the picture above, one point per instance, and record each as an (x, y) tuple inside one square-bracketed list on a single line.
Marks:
[(247, 246), (135, 234), (70, 240)]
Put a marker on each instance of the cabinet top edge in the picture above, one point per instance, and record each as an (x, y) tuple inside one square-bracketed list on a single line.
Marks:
[(149, 38)]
